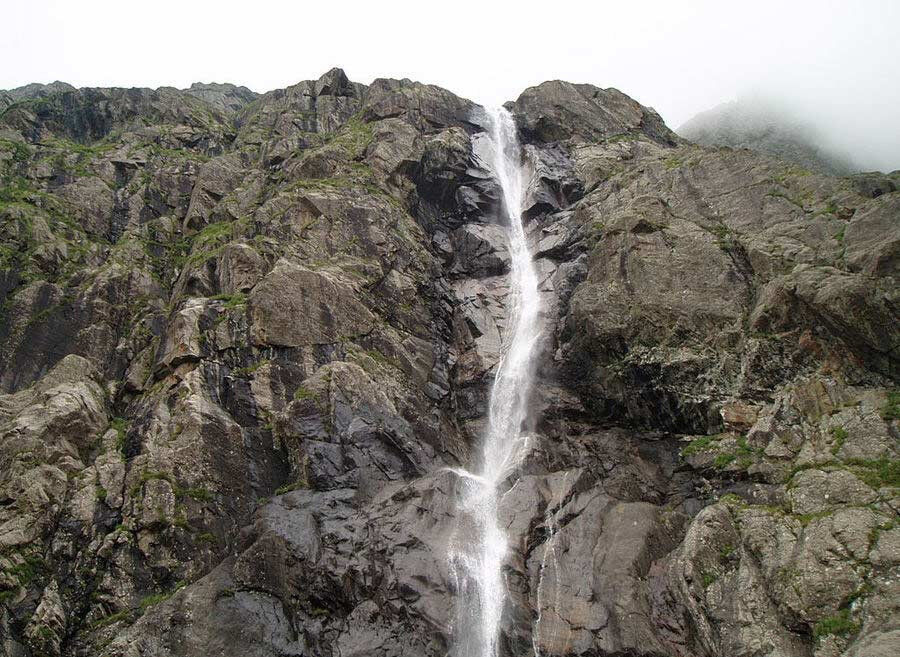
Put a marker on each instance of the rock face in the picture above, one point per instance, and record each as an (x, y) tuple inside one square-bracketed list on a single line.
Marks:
[(246, 338)]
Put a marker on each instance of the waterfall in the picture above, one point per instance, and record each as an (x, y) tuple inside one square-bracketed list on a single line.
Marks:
[(477, 560)]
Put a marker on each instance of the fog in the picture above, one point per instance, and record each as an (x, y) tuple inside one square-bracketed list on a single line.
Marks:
[(835, 63), (857, 119)]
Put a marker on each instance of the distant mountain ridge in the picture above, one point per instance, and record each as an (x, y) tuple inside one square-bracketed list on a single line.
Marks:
[(33, 90), (223, 96)]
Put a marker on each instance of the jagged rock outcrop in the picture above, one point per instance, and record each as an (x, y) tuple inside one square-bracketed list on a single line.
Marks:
[(245, 339), (556, 111)]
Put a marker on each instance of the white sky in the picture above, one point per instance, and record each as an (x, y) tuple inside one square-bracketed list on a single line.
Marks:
[(836, 61)]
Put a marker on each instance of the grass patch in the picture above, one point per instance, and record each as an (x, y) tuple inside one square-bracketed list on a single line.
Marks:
[(701, 444), (208, 243), (302, 393), (198, 494), (723, 460), (127, 615), (287, 488), (354, 136), (120, 424), (180, 520), (877, 473), (324, 184), (133, 613), (825, 467), (150, 475), (806, 518), (165, 153), (840, 624), (840, 436), (231, 300), (721, 231), (622, 137), (151, 600), (250, 369), (891, 410), (97, 148), (744, 454), (155, 599), (301, 482), (789, 199), (744, 448), (28, 570), (732, 500), (214, 232), (19, 151), (791, 172)]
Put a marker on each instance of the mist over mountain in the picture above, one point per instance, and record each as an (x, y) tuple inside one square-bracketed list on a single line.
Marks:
[(762, 125), (249, 344), (769, 125)]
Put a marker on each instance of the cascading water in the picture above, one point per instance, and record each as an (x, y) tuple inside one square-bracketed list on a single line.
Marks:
[(477, 561)]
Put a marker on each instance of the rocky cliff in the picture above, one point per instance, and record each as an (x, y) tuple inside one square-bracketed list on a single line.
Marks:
[(243, 338)]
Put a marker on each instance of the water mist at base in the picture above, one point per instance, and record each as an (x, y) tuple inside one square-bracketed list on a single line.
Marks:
[(479, 548)]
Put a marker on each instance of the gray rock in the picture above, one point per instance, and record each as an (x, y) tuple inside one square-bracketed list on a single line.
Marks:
[(293, 306), (815, 491)]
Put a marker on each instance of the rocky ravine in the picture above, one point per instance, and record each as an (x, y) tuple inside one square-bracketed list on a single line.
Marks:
[(242, 337)]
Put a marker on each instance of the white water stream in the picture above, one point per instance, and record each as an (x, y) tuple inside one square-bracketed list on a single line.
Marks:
[(477, 561)]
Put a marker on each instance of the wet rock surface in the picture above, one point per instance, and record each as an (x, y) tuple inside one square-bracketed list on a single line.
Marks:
[(246, 339)]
